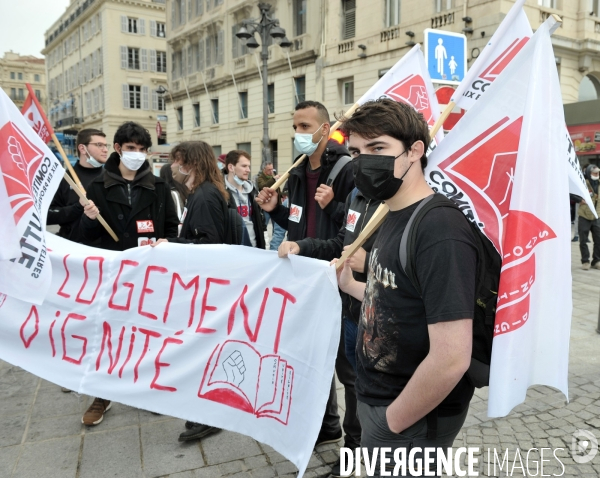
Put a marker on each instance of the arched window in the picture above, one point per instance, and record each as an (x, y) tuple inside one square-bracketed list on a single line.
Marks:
[(589, 88)]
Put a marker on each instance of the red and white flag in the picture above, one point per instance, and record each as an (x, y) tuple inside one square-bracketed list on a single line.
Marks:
[(35, 116), (408, 82), (9, 237), (504, 163), (30, 175)]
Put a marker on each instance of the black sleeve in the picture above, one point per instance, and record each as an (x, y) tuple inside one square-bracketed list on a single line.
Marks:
[(205, 220), (280, 215), (88, 230), (60, 211), (446, 265), (171, 219), (343, 185)]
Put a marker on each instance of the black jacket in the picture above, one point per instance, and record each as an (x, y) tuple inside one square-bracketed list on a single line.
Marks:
[(65, 209), (257, 219), (206, 217), (330, 219), (332, 248), (122, 203)]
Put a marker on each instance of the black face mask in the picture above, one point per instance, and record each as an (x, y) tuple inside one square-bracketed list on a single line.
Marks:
[(374, 176)]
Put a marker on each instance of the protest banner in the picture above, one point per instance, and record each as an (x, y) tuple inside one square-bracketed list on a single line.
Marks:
[(9, 237), (504, 164), (228, 336), (31, 175)]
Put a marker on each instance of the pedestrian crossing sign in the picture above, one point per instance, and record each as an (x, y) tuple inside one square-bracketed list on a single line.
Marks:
[(445, 56)]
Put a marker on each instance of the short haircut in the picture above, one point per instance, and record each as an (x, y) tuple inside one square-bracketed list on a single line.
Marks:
[(131, 132), (321, 110), (85, 136), (234, 156), (388, 117)]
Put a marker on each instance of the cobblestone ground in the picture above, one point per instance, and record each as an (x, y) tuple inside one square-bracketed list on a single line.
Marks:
[(41, 434)]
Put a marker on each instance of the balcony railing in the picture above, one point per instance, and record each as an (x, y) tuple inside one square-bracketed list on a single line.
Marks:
[(347, 46), (442, 20), (390, 34), (239, 63)]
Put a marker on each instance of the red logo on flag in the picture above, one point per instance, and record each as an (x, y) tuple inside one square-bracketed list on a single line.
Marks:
[(412, 91), (295, 211), (145, 226), (19, 160), (498, 65), (34, 118)]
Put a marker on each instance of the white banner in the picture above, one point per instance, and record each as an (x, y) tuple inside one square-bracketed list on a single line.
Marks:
[(228, 336), (408, 82), (31, 175), (504, 163), (9, 237)]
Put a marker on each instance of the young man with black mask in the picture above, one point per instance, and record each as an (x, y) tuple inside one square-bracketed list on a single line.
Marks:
[(137, 205), (412, 350), (316, 209), (65, 209)]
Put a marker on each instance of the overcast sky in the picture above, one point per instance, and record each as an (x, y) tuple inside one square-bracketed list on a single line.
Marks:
[(23, 23)]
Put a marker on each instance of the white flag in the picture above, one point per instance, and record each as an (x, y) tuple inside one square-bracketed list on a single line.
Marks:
[(504, 162), (9, 237), (408, 82), (31, 174)]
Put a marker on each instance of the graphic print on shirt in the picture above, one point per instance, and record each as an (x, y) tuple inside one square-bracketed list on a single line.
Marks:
[(295, 213), (380, 350), (352, 220)]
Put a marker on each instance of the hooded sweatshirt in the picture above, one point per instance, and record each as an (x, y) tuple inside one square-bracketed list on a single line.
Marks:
[(243, 203)]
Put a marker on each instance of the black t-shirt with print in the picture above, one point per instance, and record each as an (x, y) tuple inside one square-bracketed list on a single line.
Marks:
[(393, 338)]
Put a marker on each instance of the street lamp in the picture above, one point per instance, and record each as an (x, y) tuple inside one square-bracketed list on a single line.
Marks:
[(266, 26)]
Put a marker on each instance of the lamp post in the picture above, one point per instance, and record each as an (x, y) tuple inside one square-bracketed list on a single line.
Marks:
[(266, 26)]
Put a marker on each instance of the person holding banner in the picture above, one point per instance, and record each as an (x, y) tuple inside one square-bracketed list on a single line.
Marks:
[(588, 223), (412, 350), (65, 208), (318, 189)]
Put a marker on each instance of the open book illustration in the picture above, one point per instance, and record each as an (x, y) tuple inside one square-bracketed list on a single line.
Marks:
[(237, 375)]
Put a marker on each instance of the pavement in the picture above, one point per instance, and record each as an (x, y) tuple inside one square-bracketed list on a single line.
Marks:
[(41, 434)]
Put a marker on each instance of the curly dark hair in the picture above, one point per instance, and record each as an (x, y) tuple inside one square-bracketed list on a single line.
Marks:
[(131, 132)]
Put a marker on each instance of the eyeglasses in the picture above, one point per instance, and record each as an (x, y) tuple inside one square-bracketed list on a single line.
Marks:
[(99, 145)]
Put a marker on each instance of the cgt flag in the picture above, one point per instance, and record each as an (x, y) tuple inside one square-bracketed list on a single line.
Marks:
[(504, 163), (35, 116), (408, 82), (30, 175)]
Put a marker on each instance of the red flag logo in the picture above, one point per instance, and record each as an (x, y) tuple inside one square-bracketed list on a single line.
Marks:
[(351, 220), (413, 92), (496, 67)]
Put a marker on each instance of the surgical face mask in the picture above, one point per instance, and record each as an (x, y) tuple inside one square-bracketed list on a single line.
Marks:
[(91, 161), (595, 175), (374, 176), (304, 144), (133, 160)]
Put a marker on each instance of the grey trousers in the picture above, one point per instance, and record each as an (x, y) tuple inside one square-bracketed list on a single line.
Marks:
[(376, 432)]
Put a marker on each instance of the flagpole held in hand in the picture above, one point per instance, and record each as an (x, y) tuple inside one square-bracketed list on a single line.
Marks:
[(81, 194), (336, 125)]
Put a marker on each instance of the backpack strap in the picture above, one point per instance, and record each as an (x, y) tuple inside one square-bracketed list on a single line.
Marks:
[(337, 167)]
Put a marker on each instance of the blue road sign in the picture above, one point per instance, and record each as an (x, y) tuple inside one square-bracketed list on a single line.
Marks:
[(445, 56)]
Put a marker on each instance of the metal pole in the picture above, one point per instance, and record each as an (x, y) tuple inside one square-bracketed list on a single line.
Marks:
[(266, 156)]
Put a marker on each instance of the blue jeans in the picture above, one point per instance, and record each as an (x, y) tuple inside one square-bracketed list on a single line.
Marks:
[(278, 233), (350, 332)]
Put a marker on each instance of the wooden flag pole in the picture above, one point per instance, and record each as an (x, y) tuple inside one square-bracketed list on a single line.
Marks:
[(286, 175), (67, 162), (441, 119), (81, 194)]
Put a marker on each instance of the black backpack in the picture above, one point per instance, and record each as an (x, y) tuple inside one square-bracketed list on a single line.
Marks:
[(489, 264)]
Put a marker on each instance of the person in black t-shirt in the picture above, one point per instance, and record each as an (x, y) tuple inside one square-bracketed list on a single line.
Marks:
[(412, 351)]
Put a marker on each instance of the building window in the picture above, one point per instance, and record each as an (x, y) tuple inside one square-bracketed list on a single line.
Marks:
[(548, 3), (20, 76), (196, 107), (347, 91), (245, 147), (300, 17), (348, 19), (161, 30), (21, 94), (300, 83), (214, 104), (217, 151), (161, 103), (132, 25), (38, 95), (214, 49), (238, 48), (179, 114), (161, 61), (243, 95), (441, 5), (589, 88), (392, 13), (135, 97), (12, 75), (36, 78), (133, 58), (274, 150), (271, 97), (13, 93)]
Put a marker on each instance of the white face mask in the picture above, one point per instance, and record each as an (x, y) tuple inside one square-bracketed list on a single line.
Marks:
[(133, 160), (595, 175), (91, 161), (304, 143)]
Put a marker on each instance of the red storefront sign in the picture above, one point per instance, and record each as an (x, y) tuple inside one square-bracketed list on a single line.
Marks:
[(586, 138)]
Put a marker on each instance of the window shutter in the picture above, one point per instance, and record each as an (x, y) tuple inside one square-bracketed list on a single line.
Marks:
[(93, 25), (145, 98), (126, 96), (201, 55), (200, 7), (123, 25), (100, 60), (80, 72), (88, 102), (95, 61), (190, 5), (144, 59), (173, 14), (208, 51), (154, 100), (88, 65), (99, 22), (182, 12), (101, 95), (190, 60), (349, 7), (208, 5), (234, 43), (152, 28), (220, 44), (152, 60), (124, 57), (142, 26), (96, 106)]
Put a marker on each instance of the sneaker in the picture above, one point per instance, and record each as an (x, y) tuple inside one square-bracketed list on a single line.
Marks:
[(197, 432), (575, 239), (95, 413), (585, 266), (336, 470), (596, 265), (328, 437), (189, 425)]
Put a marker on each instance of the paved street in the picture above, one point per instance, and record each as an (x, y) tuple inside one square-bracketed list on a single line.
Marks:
[(41, 434)]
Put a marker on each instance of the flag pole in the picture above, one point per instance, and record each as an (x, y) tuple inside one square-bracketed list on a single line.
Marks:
[(66, 161), (335, 126)]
